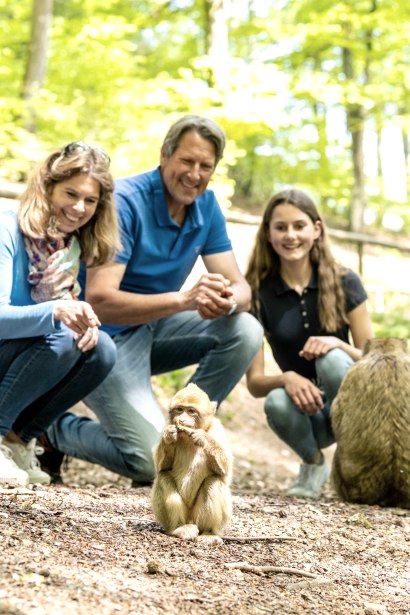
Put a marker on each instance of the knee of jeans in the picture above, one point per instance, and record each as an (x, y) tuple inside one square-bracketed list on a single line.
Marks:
[(140, 466), (139, 461), (250, 331), (105, 352), (334, 364), (277, 407)]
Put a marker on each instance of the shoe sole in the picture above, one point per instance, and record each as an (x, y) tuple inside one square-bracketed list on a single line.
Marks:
[(39, 482)]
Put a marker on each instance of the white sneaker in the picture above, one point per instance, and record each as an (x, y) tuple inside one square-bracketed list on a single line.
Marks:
[(10, 473), (310, 481), (24, 456)]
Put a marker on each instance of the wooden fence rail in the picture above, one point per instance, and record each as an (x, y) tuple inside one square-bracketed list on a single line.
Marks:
[(357, 239)]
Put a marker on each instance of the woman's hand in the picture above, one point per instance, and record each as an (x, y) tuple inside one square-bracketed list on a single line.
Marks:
[(305, 395), (80, 318), (318, 346)]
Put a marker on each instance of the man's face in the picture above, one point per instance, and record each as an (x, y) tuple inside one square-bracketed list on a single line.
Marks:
[(187, 172)]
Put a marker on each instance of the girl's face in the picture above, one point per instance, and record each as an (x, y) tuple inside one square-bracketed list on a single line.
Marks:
[(292, 233), (74, 202)]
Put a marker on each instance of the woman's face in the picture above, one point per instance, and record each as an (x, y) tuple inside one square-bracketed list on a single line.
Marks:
[(74, 201), (292, 233)]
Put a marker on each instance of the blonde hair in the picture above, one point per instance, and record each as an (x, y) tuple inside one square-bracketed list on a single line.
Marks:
[(264, 261), (99, 238)]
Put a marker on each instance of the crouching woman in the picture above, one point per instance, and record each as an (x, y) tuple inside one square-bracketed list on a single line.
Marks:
[(52, 353)]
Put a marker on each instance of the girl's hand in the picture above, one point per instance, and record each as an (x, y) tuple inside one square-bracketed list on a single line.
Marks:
[(318, 346), (304, 394)]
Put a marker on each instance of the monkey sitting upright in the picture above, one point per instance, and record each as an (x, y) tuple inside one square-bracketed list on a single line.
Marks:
[(191, 497), (371, 423)]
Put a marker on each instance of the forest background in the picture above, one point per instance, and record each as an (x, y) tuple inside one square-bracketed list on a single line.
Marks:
[(312, 94)]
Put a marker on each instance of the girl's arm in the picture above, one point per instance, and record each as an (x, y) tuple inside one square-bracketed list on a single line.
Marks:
[(360, 327), (303, 392), (361, 330)]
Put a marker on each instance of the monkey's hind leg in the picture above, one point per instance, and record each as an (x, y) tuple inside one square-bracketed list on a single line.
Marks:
[(169, 508), (212, 510)]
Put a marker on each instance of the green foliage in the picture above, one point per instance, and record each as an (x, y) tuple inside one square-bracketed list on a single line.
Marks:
[(391, 325), (172, 382), (121, 71)]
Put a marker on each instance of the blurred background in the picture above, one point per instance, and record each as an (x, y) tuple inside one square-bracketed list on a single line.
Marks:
[(310, 93)]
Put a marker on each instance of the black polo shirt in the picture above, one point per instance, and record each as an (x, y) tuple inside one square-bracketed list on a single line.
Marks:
[(289, 318)]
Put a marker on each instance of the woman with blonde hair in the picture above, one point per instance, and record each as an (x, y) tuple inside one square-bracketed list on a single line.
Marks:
[(309, 306), (52, 353)]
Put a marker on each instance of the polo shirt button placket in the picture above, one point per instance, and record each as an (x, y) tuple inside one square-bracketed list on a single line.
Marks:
[(304, 312)]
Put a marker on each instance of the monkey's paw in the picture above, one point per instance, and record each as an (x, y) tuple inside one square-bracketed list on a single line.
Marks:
[(198, 437), (186, 532), (209, 539), (170, 434)]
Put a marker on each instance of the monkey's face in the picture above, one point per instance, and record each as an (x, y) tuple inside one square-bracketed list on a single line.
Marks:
[(188, 416), (192, 407)]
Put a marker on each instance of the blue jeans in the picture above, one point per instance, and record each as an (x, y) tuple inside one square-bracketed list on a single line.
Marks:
[(41, 377), (302, 433), (129, 418)]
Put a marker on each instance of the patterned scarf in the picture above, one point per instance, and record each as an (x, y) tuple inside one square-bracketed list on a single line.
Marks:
[(60, 258)]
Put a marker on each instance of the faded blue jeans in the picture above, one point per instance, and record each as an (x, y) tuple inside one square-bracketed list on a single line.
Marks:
[(302, 433), (129, 418), (41, 377)]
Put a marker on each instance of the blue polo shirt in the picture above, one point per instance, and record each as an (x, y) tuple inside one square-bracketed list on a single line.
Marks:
[(159, 254), (290, 319)]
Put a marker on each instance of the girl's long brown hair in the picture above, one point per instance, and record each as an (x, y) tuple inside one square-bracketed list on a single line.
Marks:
[(99, 238), (264, 261)]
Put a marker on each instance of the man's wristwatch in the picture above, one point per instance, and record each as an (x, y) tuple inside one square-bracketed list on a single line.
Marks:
[(233, 309)]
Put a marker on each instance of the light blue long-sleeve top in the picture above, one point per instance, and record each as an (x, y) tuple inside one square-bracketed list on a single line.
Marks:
[(19, 315)]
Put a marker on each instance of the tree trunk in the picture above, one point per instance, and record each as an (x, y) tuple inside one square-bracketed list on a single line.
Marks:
[(355, 124), (217, 43), (37, 60), (359, 197)]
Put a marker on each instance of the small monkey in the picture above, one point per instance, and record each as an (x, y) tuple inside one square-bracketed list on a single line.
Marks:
[(191, 497), (371, 423)]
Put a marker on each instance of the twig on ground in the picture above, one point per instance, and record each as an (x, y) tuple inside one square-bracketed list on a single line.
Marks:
[(17, 491), (276, 569), (256, 538)]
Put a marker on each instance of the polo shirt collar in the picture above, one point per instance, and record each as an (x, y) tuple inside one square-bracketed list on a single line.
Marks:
[(280, 287), (194, 218)]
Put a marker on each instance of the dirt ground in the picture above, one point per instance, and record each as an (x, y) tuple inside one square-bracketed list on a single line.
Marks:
[(92, 545)]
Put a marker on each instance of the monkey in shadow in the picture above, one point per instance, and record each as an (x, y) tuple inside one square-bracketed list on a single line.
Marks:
[(371, 423), (191, 497)]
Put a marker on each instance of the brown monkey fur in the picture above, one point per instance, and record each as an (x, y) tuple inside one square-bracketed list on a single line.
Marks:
[(191, 498), (371, 423)]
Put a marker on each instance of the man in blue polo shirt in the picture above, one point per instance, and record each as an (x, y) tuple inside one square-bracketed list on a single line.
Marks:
[(168, 219)]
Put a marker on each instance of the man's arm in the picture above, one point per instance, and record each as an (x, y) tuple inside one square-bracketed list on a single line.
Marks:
[(119, 307)]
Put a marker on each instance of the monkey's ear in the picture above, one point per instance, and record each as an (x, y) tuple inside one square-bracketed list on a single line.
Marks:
[(214, 405)]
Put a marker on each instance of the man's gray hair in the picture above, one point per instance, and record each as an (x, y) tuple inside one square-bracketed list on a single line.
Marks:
[(205, 127)]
